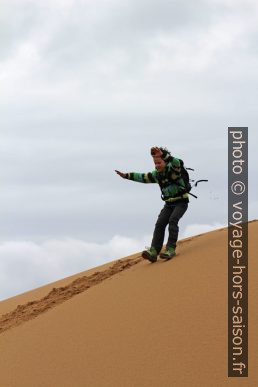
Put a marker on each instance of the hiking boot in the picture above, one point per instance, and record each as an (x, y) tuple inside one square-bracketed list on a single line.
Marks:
[(150, 254), (169, 253)]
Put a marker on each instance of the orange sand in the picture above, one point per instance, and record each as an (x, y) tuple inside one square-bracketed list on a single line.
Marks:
[(131, 323)]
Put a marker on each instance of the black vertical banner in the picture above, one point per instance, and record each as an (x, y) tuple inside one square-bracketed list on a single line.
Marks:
[(237, 251)]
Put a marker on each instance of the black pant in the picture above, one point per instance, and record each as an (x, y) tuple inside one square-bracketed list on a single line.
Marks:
[(169, 215)]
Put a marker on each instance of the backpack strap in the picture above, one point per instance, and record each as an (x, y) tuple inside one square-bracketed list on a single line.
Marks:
[(179, 185), (199, 181)]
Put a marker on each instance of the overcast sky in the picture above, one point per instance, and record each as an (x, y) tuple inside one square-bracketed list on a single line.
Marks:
[(88, 87)]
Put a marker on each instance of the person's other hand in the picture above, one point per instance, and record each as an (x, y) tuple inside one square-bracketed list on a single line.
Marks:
[(156, 152), (120, 174)]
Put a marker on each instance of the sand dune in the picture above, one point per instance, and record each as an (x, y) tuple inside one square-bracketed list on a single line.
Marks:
[(131, 323), (60, 294)]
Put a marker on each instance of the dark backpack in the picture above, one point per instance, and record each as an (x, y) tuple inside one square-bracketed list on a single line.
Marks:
[(185, 177), (187, 182)]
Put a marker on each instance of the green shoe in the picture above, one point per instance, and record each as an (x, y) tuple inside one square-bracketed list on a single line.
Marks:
[(169, 253), (150, 254)]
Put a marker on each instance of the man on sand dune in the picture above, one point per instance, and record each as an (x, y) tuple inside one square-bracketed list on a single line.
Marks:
[(167, 174)]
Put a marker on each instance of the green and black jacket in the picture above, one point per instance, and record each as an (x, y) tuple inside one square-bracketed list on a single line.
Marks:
[(171, 184)]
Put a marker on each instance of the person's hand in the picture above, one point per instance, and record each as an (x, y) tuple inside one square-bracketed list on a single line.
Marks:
[(156, 152), (120, 174)]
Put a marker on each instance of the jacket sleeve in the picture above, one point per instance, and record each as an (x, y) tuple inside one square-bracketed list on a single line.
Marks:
[(168, 158), (174, 168), (149, 177)]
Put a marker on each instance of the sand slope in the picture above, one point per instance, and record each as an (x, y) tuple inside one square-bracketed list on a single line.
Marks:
[(131, 323)]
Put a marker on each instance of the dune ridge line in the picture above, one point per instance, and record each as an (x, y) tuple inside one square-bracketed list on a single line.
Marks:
[(59, 295)]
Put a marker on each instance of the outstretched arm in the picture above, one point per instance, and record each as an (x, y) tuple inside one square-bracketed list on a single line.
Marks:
[(123, 175), (150, 177)]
